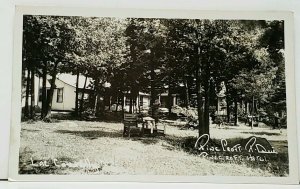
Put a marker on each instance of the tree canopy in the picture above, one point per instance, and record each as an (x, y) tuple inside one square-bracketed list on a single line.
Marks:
[(189, 57)]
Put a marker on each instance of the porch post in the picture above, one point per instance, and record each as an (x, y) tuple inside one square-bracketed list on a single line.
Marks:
[(174, 100)]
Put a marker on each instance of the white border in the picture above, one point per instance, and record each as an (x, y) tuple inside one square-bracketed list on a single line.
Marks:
[(6, 22), (16, 94)]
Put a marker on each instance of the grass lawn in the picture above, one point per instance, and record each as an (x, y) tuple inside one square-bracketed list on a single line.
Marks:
[(81, 147)]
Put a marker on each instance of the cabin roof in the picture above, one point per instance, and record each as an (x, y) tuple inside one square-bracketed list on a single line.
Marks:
[(71, 80)]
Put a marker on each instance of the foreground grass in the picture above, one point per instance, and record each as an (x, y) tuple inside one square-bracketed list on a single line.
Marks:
[(80, 147)]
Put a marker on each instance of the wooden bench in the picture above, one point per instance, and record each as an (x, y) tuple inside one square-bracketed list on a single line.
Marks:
[(130, 122)]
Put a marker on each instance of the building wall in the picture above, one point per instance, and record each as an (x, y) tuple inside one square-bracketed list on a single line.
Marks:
[(144, 104), (69, 95)]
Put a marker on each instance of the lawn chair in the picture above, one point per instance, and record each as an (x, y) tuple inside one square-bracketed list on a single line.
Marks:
[(131, 125)]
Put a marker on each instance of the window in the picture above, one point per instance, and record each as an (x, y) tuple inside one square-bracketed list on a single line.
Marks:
[(127, 101), (59, 95)]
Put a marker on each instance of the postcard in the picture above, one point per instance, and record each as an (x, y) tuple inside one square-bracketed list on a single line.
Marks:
[(153, 96)]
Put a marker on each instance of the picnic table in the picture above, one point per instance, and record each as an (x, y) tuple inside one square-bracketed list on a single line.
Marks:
[(149, 123), (149, 126)]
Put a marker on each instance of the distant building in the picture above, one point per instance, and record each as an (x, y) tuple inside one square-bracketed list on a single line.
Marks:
[(222, 103), (142, 102)]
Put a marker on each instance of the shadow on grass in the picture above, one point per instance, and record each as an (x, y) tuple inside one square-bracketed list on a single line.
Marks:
[(262, 133), (277, 164), (31, 130), (146, 140), (92, 134), (63, 116)]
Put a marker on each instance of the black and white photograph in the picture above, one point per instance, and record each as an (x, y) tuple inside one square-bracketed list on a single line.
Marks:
[(153, 96)]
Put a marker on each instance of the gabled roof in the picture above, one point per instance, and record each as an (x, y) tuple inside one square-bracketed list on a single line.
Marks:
[(71, 80)]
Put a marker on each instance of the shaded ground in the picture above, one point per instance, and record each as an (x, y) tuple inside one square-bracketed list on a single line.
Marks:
[(81, 147)]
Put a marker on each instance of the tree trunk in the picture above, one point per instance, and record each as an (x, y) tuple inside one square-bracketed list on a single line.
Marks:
[(77, 91), (199, 104), (51, 91), (206, 108), (102, 102), (130, 103), (252, 112), (24, 78), (153, 91), (96, 96), (236, 111), (202, 129), (246, 111), (95, 104), (139, 103), (256, 106), (109, 106), (44, 92), (82, 96), (199, 96), (123, 102), (187, 99), (26, 108), (228, 109), (152, 97), (170, 99), (117, 105), (253, 105), (134, 104), (32, 105)]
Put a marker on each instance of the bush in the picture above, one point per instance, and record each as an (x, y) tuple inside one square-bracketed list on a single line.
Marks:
[(219, 119), (36, 110), (191, 113), (87, 113)]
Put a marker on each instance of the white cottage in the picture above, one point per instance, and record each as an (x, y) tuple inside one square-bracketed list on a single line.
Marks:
[(64, 93)]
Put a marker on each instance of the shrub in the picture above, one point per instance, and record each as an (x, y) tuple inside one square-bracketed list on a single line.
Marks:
[(191, 113)]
